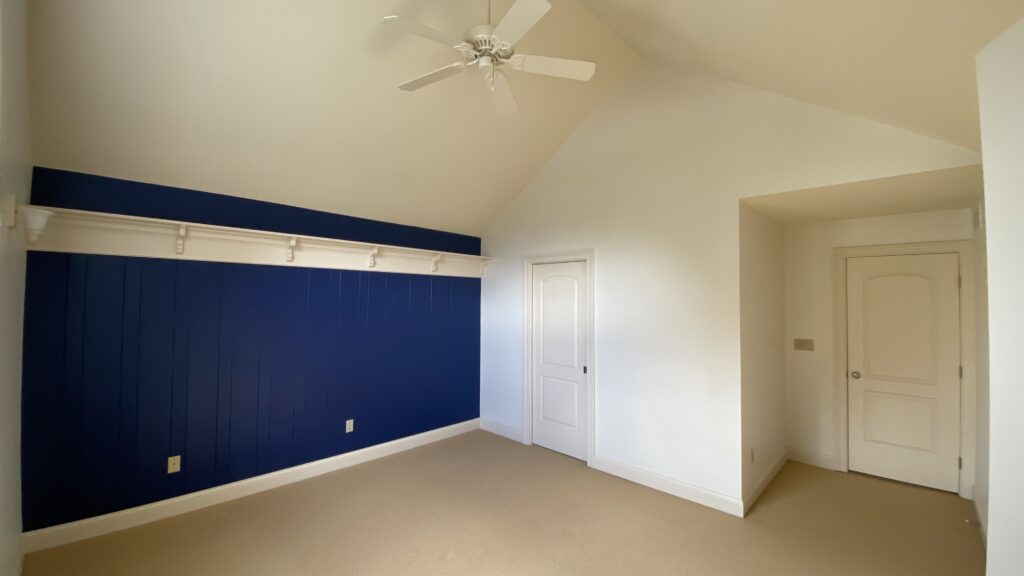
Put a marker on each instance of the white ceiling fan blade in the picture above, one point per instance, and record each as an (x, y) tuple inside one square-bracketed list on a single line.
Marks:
[(520, 19), (422, 31), (435, 76), (501, 92), (560, 67)]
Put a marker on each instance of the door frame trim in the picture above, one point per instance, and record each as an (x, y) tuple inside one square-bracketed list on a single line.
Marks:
[(587, 257), (968, 352)]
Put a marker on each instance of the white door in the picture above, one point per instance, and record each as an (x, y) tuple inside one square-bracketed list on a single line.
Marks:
[(904, 368), (560, 344)]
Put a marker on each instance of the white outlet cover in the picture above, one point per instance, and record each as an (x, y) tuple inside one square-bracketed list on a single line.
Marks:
[(350, 426)]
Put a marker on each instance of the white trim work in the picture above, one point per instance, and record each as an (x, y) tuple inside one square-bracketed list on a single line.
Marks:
[(81, 232), (501, 430), (980, 523), (691, 492), (750, 498), (968, 409), (812, 458), (92, 527)]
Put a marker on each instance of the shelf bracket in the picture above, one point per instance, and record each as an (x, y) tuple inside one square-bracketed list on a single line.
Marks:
[(289, 253), (85, 232), (179, 245)]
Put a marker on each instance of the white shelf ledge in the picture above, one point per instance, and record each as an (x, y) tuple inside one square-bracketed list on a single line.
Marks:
[(80, 232)]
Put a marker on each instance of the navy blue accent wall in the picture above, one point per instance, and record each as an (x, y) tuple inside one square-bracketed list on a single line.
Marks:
[(100, 194), (240, 369)]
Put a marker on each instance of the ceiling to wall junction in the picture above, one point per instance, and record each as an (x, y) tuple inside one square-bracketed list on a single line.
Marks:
[(908, 63), (296, 102)]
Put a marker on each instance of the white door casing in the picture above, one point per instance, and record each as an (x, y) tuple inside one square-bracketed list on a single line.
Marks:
[(904, 368), (560, 351)]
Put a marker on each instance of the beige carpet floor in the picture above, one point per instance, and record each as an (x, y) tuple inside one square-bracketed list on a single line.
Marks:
[(478, 504)]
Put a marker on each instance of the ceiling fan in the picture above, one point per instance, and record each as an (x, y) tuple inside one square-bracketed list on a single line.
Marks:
[(490, 48)]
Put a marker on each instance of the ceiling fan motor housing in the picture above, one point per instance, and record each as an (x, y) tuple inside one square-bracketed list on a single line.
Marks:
[(484, 43)]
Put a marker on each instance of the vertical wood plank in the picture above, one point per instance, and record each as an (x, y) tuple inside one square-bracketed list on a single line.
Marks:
[(70, 457), (278, 352), (156, 361), (101, 380), (125, 487), (226, 320), (203, 325), (245, 375), (43, 428), (350, 360)]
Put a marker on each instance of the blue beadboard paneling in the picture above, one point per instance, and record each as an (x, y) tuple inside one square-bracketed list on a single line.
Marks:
[(240, 369), (79, 191)]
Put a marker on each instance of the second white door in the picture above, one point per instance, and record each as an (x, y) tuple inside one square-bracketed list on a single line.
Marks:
[(904, 368), (560, 351)]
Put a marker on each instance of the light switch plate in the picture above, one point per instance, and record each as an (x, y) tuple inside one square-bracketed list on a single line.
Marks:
[(350, 426), (805, 344), (174, 464)]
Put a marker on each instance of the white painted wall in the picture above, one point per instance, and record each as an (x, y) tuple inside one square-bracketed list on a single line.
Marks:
[(15, 166), (762, 351), (981, 373), (1001, 89), (810, 405), (650, 181)]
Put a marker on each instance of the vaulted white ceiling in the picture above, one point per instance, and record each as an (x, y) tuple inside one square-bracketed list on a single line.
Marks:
[(296, 102), (909, 63)]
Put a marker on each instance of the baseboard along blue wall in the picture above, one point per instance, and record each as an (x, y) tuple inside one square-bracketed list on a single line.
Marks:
[(239, 369)]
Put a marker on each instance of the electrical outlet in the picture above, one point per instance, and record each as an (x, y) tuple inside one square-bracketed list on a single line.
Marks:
[(350, 426), (174, 464), (753, 456)]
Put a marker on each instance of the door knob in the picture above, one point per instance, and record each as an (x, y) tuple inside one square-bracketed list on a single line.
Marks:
[(855, 375)]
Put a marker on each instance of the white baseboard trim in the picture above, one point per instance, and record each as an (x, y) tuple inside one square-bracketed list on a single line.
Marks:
[(755, 493), (982, 521), (97, 526), (501, 430), (812, 458), (693, 493)]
